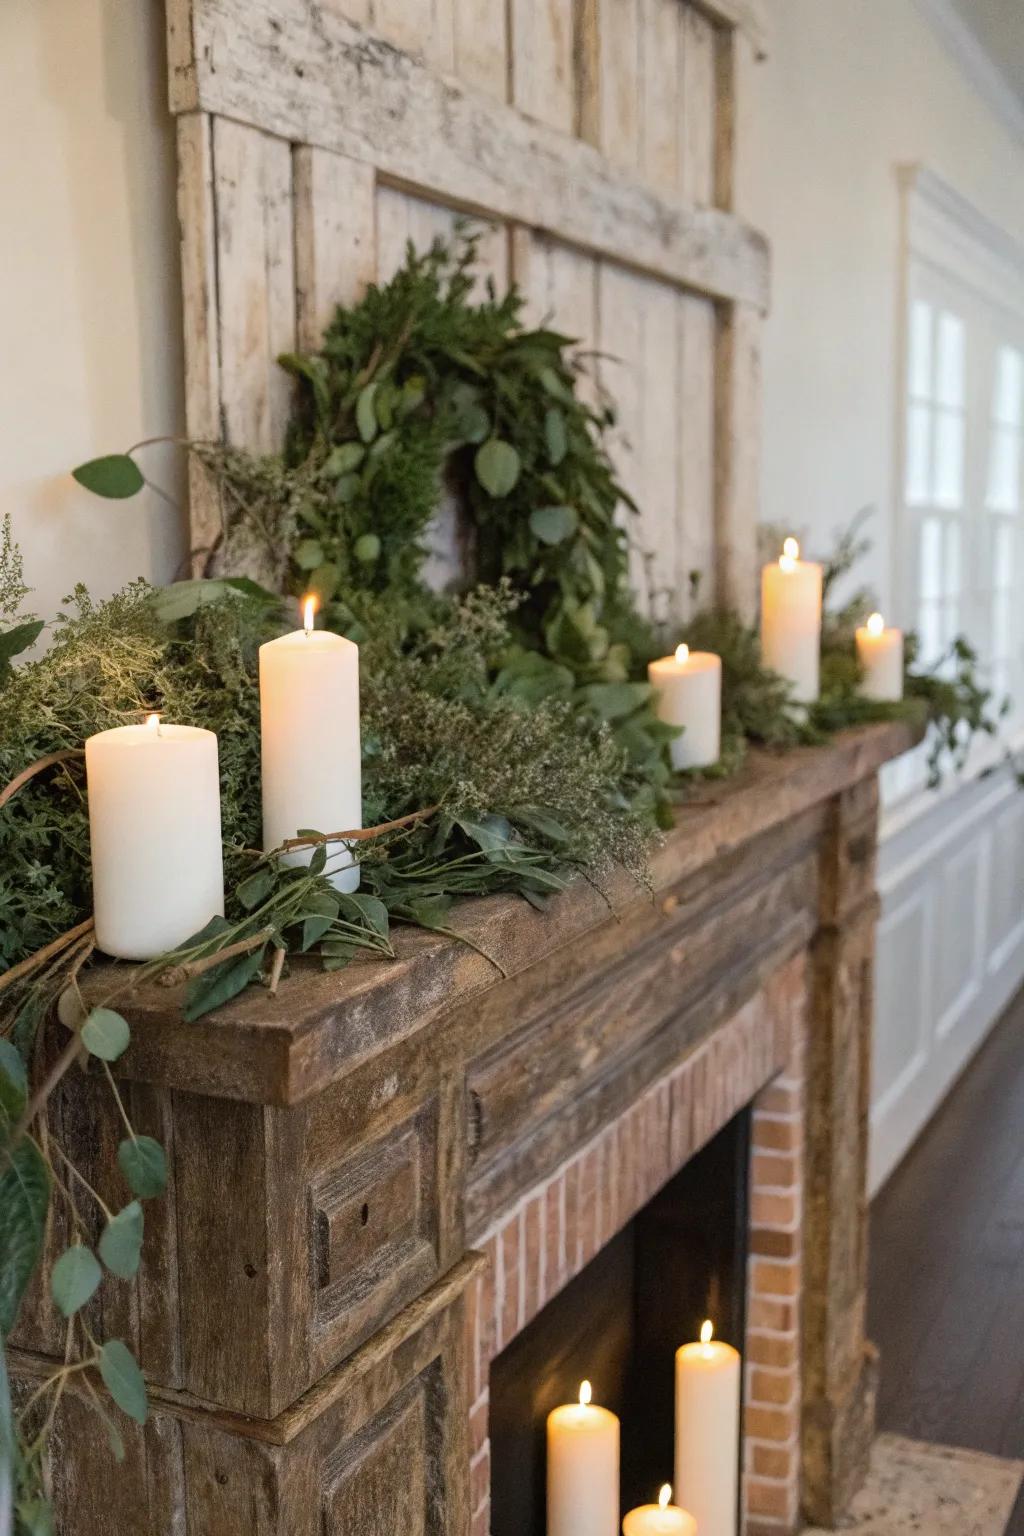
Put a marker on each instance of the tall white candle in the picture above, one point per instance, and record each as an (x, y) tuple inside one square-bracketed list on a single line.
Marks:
[(661, 1519), (791, 621), (880, 653), (583, 1469), (309, 726), (708, 1433), (688, 692), (154, 833)]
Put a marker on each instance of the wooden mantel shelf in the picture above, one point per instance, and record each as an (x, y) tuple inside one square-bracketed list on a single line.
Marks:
[(322, 1026)]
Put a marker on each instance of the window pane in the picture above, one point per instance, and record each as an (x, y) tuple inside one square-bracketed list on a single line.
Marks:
[(954, 571), (1003, 557), (920, 361), (949, 459), (950, 381), (1004, 470), (930, 626), (931, 559), (1009, 387), (918, 453), (1002, 624)]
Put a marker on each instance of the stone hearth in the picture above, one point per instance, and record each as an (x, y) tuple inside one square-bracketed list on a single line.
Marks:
[(380, 1176)]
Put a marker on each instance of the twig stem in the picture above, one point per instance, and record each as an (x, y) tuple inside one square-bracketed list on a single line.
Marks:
[(30, 772)]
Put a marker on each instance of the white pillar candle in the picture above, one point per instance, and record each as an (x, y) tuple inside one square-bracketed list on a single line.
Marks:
[(309, 726), (791, 622), (708, 1433), (583, 1469), (688, 692), (154, 833), (880, 653), (661, 1519)]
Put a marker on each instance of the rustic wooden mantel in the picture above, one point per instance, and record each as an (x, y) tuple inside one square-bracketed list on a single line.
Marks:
[(336, 1151)]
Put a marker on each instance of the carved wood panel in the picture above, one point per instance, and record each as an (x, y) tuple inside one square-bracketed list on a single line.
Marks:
[(594, 141)]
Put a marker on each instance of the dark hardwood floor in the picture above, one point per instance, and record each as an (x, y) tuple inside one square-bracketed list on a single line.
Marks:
[(946, 1294)]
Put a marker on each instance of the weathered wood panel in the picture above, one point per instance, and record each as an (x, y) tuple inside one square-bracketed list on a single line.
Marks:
[(481, 45), (699, 98), (543, 84), (335, 236), (696, 537), (737, 457)]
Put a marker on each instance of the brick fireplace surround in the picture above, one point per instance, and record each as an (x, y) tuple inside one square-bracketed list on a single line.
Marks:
[(380, 1177)]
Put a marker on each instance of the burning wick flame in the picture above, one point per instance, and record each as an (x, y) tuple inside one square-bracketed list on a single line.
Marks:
[(682, 653), (586, 1393), (790, 554), (876, 624), (308, 613), (706, 1332), (665, 1496), (153, 724)]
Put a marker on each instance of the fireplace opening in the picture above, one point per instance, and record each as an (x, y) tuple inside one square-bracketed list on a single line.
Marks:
[(618, 1324)]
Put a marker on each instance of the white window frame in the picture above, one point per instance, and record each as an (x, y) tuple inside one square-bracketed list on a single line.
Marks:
[(952, 254)]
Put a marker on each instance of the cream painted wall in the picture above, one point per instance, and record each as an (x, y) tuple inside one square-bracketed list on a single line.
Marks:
[(851, 89), (89, 303)]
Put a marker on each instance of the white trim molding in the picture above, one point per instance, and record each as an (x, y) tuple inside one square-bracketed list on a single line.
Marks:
[(952, 235), (976, 63)]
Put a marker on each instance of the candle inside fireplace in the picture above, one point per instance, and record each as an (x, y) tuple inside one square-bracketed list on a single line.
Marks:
[(154, 834), (583, 1469), (791, 622), (688, 692), (707, 1433), (309, 725), (880, 653), (661, 1519)]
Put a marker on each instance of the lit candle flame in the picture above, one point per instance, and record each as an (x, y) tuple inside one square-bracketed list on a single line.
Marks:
[(876, 624), (707, 1330), (682, 653), (153, 723), (308, 612), (586, 1393), (665, 1496), (790, 554)]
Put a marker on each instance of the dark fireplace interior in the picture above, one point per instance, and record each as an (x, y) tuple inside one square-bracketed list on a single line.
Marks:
[(682, 1259)]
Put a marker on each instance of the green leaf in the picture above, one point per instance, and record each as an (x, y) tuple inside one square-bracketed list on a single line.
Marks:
[(553, 524), (9, 1456), (181, 599), (429, 911), (24, 1197), (13, 1086), (492, 834), (554, 435), (347, 488), (313, 371), (255, 888), (115, 476), (105, 1034), (366, 413), (614, 701), (75, 1277), (142, 1161), (324, 582), (497, 466), (123, 1380), (120, 1244), (366, 548), (308, 554), (220, 985), (14, 641), (313, 930), (473, 424), (370, 908), (343, 459)]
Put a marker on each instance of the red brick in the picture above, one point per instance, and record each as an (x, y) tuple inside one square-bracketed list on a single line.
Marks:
[(479, 1418), (481, 1524), (782, 1097), (777, 1135), (554, 1239), (587, 1217), (509, 1297), (776, 1500), (773, 1388), (486, 1327), (779, 1461), (772, 1313), (570, 1179), (768, 1278), (776, 1212), (533, 1257), (775, 1350), (609, 1185), (773, 1244), (779, 1424), (774, 1171), (480, 1478)]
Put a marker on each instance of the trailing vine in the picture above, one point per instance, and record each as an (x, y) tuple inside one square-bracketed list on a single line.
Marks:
[(509, 739)]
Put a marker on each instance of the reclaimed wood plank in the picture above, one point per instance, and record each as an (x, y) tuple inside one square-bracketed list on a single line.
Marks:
[(542, 61), (697, 119), (660, 145), (611, 80), (695, 547), (325, 82), (482, 46), (197, 222), (737, 458), (335, 236)]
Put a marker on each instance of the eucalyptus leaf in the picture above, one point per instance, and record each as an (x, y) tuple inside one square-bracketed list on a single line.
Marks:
[(218, 986), (308, 554), (120, 1244), (554, 435), (313, 930), (14, 641), (497, 466), (182, 599), (372, 910), (13, 1086), (366, 414), (74, 1278), (324, 582), (343, 459), (144, 1165), (105, 1034), (255, 889), (367, 548), (123, 1380), (116, 476), (553, 524)]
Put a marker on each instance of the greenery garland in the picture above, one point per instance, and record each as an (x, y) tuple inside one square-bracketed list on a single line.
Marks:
[(509, 738)]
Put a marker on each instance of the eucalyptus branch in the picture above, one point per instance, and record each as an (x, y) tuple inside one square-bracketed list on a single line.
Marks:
[(357, 834), (33, 962), (30, 772), (174, 975)]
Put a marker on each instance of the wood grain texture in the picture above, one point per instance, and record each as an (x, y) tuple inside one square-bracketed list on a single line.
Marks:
[(543, 84), (611, 80), (697, 118), (482, 46), (697, 325), (335, 236), (737, 457), (312, 77), (197, 220)]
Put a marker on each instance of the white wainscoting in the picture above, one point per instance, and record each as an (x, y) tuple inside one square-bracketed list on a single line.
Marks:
[(950, 948)]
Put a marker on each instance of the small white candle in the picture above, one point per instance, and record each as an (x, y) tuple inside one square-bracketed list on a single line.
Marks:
[(791, 622), (880, 653), (583, 1469), (661, 1519), (309, 726), (154, 833), (708, 1433), (688, 692)]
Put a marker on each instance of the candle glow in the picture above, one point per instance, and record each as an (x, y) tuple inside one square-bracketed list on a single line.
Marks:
[(308, 612), (708, 1373), (586, 1393), (682, 653), (875, 624), (707, 1331), (790, 554), (665, 1496)]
